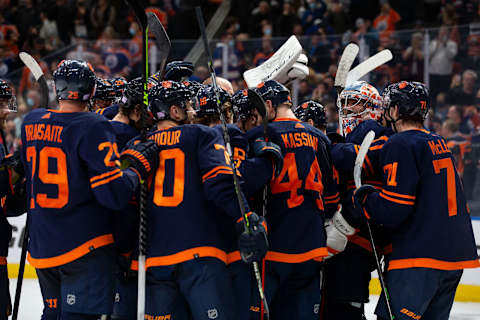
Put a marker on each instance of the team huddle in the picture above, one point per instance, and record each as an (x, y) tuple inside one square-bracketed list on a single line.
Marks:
[(80, 169)]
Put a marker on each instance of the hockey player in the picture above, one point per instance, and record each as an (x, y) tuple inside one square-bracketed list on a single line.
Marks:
[(312, 113), (193, 178), (104, 95), (256, 171), (298, 198), (423, 205), (347, 274), (7, 176), (73, 181)]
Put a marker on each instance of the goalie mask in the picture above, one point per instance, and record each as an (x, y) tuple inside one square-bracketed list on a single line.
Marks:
[(358, 102), (166, 94), (8, 102)]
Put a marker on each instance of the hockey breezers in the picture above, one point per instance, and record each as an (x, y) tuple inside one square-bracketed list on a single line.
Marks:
[(226, 138), (357, 176)]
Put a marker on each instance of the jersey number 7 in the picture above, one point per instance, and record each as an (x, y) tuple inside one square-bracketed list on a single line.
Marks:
[(313, 181)]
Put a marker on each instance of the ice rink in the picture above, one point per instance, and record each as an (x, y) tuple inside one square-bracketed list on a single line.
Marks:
[(31, 304)]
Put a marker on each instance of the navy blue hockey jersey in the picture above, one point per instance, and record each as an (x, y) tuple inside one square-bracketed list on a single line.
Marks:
[(108, 112), (192, 183), (70, 161), (300, 196), (423, 203)]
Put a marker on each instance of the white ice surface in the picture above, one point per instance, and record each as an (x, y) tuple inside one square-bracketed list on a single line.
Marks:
[(31, 304)]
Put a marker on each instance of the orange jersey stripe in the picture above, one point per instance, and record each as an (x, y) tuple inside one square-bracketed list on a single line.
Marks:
[(233, 257), (297, 257), (432, 264), (104, 181), (104, 175), (137, 155), (72, 255), (182, 256), (377, 147), (217, 173), (411, 203), (398, 195), (336, 195), (211, 172)]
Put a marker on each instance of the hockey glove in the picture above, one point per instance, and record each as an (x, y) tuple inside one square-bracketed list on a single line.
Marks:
[(13, 161), (335, 137), (359, 197), (142, 157), (261, 148), (253, 246), (337, 230), (176, 70)]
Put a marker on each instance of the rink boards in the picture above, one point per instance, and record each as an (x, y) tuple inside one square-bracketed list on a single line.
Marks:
[(469, 289)]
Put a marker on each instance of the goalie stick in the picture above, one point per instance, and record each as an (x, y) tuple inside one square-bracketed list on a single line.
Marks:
[(357, 176), (226, 138), (369, 65), (37, 72), (348, 57)]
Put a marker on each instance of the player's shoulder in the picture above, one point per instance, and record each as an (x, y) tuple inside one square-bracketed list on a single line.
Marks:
[(234, 130), (411, 138), (35, 114)]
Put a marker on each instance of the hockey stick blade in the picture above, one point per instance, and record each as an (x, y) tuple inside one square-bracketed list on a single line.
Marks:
[(161, 39), (348, 57), (369, 65), (259, 104), (37, 72), (362, 152)]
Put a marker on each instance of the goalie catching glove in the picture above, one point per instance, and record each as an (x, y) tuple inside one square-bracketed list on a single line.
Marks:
[(337, 230), (298, 71), (141, 157), (253, 245)]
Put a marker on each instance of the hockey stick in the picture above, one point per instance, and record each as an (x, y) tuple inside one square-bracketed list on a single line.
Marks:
[(161, 39), (142, 232), (369, 65), (348, 57), (357, 176), (226, 138), (259, 104), (37, 72)]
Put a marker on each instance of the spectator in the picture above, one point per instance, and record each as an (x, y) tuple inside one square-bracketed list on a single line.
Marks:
[(304, 91), (473, 47), (455, 114), (286, 21), (64, 14), (27, 17), (81, 21), (366, 36), (101, 16), (332, 117), (315, 10), (442, 51), (413, 59), (464, 95), (260, 13), (386, 21), (319, 52), (265, 53), (338, 18), (49, 32)]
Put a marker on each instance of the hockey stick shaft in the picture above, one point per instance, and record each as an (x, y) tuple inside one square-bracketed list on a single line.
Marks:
[(142, 231), (226, 138), (21, 271), (357, 172)]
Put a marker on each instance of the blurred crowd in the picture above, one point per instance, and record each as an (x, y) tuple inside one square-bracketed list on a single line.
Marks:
[(435, 41)]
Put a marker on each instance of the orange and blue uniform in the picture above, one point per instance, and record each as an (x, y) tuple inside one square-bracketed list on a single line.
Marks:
[(299, 198), (423, 205)]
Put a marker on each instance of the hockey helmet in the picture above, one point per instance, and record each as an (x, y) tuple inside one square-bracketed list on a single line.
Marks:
[(411, 97), (193, 86), (119, 85), (206, 101), (8, 102), (74, 80), (104, 90), (274, 91), (167, 93), (312, 110), (358, 102), (242, 104)]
